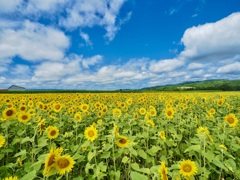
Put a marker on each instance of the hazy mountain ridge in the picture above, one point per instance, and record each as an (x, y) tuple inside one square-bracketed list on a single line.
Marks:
[(219, 84)]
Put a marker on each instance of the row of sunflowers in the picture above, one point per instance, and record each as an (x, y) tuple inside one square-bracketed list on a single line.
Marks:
[(120, 136)]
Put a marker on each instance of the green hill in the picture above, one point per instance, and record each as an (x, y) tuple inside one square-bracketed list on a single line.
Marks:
[(220, 84)]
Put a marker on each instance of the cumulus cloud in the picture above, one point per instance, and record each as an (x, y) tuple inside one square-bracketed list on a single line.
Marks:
[(88, 13), (165, 65), (213, 41), (91, 61), (233, 68), (194, 66), (49, 71), (86, 38), (33, 42)]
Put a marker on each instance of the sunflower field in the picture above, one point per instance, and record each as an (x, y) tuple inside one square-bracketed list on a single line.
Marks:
[(76, 136)]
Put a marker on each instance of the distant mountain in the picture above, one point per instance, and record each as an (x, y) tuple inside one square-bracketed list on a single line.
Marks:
[(219, 84)]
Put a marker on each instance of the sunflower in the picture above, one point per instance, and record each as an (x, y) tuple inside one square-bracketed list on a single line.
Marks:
[(78, 116), (187, 168), (142, 111), (64, 164), (123, 142), (52, 132), (41, 126), (57, 106), (49, 162), (91, 133), (162, 135), (9, 113), (231, 120), (117, 112), (152, 112), (11, 178), (212, 111), (2, 141), (163, 170), (169, 112), (22, 107), (220, 102), (150, 122), (24, 117), (84, 107)]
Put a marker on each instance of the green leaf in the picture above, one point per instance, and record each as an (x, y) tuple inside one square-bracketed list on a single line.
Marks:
[(36, 166), (26, 139), (219, 164), (105, 155), (137, 176), (23, 152), (29, 176), (135, 166), (145, 170), (1, 156), (193, 148), (125, 159), (142, 154), (91, 155), (209, 155), (153, 151)]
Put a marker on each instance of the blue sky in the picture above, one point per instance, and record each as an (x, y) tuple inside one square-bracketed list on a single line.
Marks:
[(117, 44)]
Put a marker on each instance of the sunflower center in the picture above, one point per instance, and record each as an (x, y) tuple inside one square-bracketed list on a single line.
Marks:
[(53, 133), (230, 120), (24, 117), (123, 141), (90, 133), (57, 107), (169, 113), (23, 108), (9, 112), (50, 161), (187, 168), (63, 163)]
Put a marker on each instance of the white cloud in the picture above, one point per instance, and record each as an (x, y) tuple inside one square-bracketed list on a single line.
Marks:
[(213, 41), (88, 13), (194, 66), (49, 71), (33, 42), (233, 68), (9, 5), (165, 65), (21, 70), (91, 61), (86, 38), (2, 79)]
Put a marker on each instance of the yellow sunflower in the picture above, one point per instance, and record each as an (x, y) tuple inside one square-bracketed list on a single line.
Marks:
[(57, 106), (2, 141), (22, 107), (152, 112), (49, 162), (163, 171), (41, 126), (24, 117), (52, 132), (162, 135), (142, 111), (11, 178), (169, 112), (231, 120), (9, 113), (91, 133), (115, 129), (122, 142), (64, 164), (117, 112), (187, 168), (84, 107), (78, 116)]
